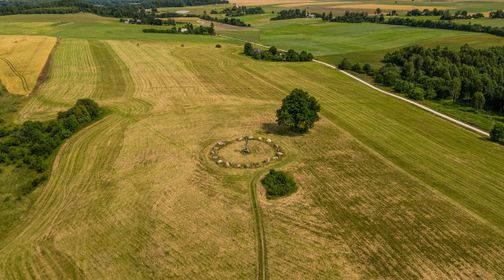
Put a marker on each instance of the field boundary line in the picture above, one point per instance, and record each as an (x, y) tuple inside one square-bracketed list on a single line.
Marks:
[(259, 230), (423, 107)]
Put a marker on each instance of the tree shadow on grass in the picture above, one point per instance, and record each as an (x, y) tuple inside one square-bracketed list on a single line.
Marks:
[(273, 128)]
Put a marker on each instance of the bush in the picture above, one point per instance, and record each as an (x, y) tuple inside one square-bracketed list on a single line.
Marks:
[(278, 183), (367, 69), (345, 64), (417, 93), (299, 111), (497, 133), (357, 68)]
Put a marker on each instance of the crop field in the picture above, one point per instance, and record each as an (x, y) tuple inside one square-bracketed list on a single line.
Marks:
[(363, 42), (386, 190), (22, 59)]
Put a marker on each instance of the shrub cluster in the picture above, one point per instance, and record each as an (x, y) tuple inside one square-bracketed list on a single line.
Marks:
[(288, 14), (33, 142), (347, 65), (188, 28), (278, 184), (273, 54)]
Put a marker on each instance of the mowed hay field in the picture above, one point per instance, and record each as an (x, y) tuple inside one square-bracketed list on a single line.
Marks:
[(385, 190), (22, 59)]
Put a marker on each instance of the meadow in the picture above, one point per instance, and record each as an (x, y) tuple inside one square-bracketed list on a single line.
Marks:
[(385, 190)]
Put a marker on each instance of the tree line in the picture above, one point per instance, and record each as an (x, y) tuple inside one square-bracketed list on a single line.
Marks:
[(497, 14), (240, 11), (291, 13), (444, 14), (226, 20), (31, 143), (358, 17), (188, 28), (273, 54)]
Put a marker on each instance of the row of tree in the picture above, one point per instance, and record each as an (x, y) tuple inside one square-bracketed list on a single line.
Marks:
[(291, 13), (358, 17), (236, 11), (497, 14), (226, 20), (440, 24), (188, 28), (33, 142), (444, 14), (180, 3), (273, 54)]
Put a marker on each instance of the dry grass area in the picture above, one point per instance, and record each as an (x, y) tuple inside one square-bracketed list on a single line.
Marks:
[(22, 59), (385, 190)]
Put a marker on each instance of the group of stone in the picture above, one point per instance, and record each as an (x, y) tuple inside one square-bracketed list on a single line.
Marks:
[(214, 153)]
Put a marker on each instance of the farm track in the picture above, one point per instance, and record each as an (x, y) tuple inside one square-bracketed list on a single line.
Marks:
[(262, 262), (24, 83), (409, 101)]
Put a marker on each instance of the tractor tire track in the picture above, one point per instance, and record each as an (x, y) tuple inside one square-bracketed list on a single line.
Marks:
[(17, 73), (259, 230)]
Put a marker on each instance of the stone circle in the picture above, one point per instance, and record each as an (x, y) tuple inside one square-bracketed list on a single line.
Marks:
[(277, 153)]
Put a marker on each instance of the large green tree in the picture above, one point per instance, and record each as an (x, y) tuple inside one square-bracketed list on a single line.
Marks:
[(299, 111)]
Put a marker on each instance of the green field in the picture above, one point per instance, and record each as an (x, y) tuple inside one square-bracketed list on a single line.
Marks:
[(386, 190)]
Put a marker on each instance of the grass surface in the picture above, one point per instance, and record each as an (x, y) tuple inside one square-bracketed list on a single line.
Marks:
[(385, 190)]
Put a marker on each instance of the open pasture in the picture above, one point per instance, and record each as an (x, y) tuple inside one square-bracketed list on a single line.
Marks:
[(22, 59), (385, 190)]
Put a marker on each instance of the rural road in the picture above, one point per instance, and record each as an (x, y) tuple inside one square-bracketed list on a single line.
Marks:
[(441, 115), (423, 107)]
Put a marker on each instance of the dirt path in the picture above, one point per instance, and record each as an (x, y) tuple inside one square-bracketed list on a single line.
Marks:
[(259, 230), (441, 115)]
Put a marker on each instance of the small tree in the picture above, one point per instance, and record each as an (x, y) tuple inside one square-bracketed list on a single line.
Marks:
[(248, 49), (497, 133), (278, 183), (273, 50), (367, 69), (299, 111), (478, 101), (345, 64)]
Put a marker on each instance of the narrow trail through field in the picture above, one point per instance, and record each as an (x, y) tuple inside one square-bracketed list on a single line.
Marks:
[(423, 107), (17, 73), (259, 230)]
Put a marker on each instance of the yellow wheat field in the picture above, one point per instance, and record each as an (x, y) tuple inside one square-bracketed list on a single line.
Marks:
[(22, 59)]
